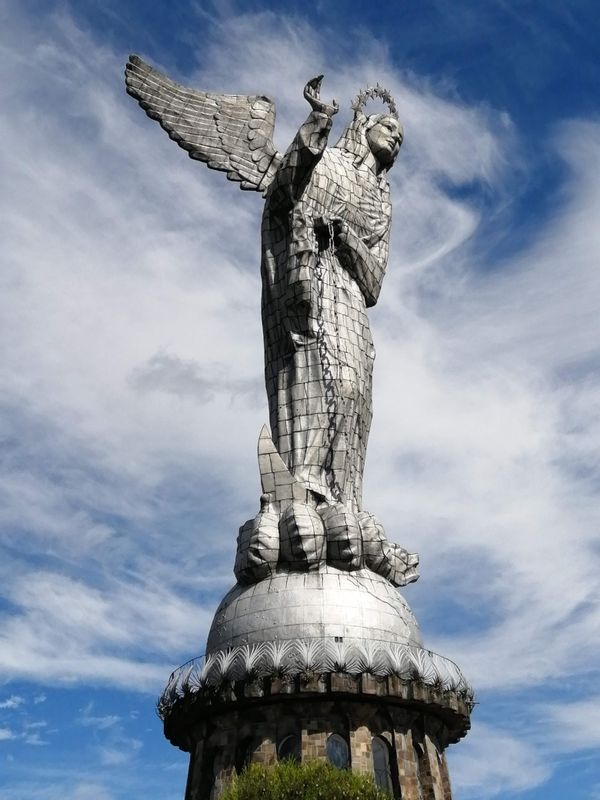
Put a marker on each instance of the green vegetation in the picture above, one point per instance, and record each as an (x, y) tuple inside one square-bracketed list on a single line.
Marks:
[(315, 780)]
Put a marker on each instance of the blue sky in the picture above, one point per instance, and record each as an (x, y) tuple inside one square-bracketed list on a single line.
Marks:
[(131, 364)]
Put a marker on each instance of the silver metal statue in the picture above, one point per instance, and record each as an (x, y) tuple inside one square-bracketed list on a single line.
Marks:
[(325, 236)]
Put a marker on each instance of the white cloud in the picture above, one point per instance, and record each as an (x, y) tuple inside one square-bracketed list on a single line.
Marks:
[(91, 791), (121, 753), (575, 725), (493, 763), (35, 739), (100, 723), (100, 634), (6, 734), (14, 701), (111, 757)]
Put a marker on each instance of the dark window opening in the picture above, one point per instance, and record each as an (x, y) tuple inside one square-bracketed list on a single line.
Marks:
[(337, 751), (381, 764), (290, 748)]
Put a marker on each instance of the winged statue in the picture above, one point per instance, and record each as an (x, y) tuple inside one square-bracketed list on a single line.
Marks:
[(325, 238)]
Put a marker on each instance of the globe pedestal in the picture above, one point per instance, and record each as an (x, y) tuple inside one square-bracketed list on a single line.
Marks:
[(325, 664)]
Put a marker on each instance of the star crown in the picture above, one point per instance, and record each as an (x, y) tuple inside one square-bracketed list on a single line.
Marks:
[(371, 93)]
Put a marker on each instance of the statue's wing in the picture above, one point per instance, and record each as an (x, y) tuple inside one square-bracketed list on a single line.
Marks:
[(229, 132)]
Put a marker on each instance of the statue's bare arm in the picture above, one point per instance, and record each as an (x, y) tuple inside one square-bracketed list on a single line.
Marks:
[(305, 151)]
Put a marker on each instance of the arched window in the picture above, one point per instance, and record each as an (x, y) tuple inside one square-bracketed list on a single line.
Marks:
[(381, 764), (337, 751), (290, 748)]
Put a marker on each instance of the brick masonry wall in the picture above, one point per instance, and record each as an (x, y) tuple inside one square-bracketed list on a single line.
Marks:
[(236, 736), (360, 749)]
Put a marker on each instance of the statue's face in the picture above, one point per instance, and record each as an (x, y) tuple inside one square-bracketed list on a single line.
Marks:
[(385, 138)]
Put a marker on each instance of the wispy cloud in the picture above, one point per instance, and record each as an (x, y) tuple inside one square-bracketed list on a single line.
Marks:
[(123, 754), (494, 763), (131, 360), (576, 725), (14, 701), (100, 723), (35, 739), (91, 791), (164, 372), (98, 632)]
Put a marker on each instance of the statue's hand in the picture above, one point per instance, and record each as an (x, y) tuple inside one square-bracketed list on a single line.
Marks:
[(312, 93), (344, 237), (341, 231)]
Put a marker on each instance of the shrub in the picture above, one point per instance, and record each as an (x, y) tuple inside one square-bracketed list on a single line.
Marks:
[(288, 780)]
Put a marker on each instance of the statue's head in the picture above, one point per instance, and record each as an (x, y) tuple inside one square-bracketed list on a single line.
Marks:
[(384, 136), (375, 139)]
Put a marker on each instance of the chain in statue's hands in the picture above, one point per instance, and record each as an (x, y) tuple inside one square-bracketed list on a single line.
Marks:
[(312, 93), (341, 232), (336, 228)]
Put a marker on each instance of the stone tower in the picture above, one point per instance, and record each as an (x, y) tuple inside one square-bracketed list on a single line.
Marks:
[(322, 663), (313, 654)]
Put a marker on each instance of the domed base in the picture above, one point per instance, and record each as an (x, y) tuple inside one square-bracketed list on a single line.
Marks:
[(317, 664), (331, 604), (300, 624)]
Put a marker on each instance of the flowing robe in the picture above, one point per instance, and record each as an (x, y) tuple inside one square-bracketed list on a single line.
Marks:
[(318, 347)]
